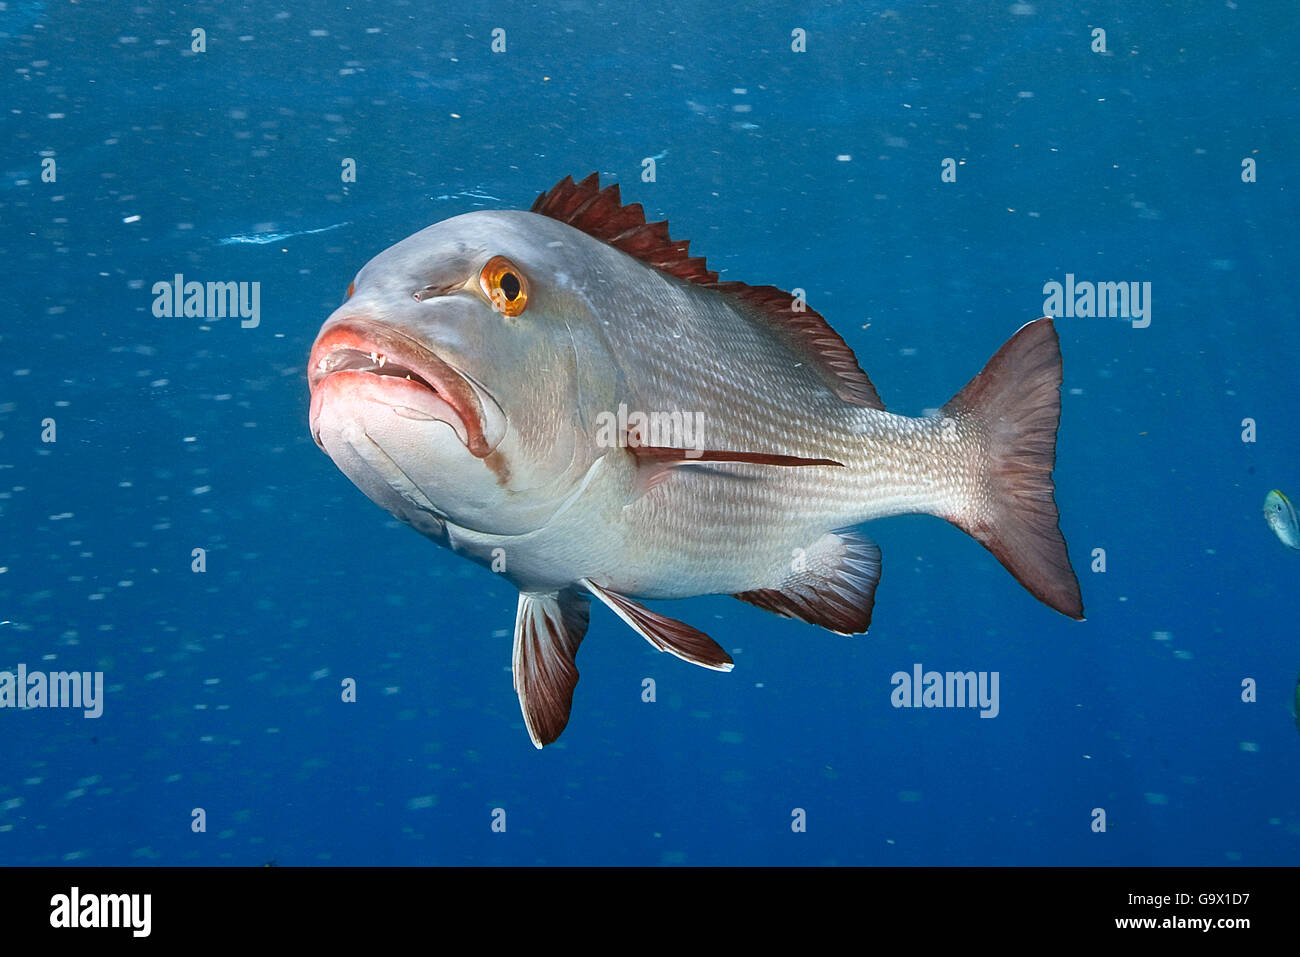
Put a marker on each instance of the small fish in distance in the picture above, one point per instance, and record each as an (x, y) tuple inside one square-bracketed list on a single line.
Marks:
[(1295, 704), (1281, 517), (570, 398)]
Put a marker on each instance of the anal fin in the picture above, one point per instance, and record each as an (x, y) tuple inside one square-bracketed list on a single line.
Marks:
[(666, 634), (834, 585), (548, 630)]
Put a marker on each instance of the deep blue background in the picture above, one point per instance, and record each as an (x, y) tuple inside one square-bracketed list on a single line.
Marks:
[(176, 433)]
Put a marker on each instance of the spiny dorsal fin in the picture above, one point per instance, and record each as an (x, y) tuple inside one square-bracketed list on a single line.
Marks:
[(601, 214)]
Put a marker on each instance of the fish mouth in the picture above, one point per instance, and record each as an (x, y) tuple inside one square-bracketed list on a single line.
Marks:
[(396, 370)]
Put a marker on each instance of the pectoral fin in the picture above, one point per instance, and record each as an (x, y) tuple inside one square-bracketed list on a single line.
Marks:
[(548, 630), (666, 634), (831, 584), (657, 461)]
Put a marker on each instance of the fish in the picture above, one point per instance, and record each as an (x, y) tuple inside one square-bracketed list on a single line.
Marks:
[(1281, 517), (1295, 704), (568, 397)]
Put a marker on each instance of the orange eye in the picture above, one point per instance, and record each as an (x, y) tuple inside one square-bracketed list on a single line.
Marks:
[(351, 288), (504, 285)]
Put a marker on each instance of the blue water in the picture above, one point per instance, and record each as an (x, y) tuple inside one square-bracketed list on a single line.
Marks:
[(223, 688)]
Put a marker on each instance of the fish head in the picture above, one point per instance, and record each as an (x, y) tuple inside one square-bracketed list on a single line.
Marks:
[(449, 386)]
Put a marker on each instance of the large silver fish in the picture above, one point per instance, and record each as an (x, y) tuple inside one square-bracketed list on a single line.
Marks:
[(569, 398)]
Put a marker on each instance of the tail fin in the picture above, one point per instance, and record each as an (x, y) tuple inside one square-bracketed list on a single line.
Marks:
[(1015, 402)]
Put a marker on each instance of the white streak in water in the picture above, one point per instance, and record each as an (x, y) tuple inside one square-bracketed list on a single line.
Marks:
[(261, 239), (469, 194)]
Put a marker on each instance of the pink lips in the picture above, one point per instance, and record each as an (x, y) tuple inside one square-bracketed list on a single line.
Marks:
[(356, 358)]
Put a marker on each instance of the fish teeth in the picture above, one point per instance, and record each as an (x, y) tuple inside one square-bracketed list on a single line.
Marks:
[(382, 360)]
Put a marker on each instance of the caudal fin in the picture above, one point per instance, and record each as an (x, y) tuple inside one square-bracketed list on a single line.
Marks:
[(1015, 402)]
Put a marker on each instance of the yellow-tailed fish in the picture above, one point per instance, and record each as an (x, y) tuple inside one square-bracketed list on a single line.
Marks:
[(1281, 517), (1296, 704)]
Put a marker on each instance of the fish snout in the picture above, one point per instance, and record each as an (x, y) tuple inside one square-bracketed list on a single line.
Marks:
[(358, 355)]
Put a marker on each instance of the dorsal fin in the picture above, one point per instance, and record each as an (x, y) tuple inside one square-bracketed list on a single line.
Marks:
[(600, 213)]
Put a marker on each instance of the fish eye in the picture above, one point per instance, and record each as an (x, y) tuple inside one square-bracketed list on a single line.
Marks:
[(510, 286), (504, 285), (351, 289)]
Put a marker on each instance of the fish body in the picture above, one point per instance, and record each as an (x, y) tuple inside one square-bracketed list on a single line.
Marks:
[(1281, 517), (569, 398)]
